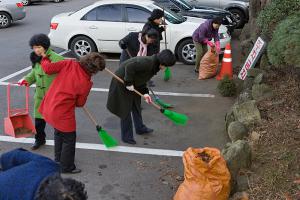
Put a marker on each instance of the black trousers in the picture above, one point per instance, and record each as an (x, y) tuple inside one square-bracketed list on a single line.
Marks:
[(40, 125), (64, 148), (126, 123)]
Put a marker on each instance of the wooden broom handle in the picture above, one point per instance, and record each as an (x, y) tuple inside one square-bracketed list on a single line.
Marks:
[(137, 92), (90, 115)]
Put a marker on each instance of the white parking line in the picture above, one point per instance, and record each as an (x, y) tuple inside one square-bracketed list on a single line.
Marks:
[(25, 69), (157, 93), (100, 147), (15, 74)]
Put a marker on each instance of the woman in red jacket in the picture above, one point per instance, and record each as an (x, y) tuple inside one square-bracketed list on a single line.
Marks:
[(69, 90)]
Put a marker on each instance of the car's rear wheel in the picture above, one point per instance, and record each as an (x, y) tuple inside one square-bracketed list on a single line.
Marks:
[(186, 52), (239, 17), (26, 2), (81, 46), (5, 20)]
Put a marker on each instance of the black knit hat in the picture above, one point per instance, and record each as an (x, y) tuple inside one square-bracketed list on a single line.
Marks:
[(156, 14), (40, 40)]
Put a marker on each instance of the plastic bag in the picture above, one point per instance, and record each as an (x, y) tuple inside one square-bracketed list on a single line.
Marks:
[(209, 64), (206, 176)]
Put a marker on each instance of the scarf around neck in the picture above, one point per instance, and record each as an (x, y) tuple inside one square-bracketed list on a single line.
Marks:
[(143, 47)]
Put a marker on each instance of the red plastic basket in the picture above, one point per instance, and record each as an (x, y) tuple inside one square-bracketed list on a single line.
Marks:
[(18, 122)]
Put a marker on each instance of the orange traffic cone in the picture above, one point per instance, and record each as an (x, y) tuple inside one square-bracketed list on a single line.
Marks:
[(226, 69)]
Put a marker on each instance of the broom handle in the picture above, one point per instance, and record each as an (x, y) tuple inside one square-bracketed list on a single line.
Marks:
[(137, 92), (87, 112), (165, 32)]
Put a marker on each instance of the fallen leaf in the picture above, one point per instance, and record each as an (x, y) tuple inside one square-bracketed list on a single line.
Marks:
[(288, 197), (297, 181)]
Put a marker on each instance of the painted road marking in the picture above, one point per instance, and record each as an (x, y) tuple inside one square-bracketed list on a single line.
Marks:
[(101, 147), (25, 69), (175, 94), (15, 74)]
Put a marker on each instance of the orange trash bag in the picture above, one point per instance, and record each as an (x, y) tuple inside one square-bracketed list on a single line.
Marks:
[(206, 176), (209, 64)]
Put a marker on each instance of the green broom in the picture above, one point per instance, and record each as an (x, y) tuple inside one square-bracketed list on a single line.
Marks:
[(157, 99), (160, 102), (107, 139), (167, 74), (177, 118)]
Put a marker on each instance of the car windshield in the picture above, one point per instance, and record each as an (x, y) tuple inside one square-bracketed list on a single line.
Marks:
[(171, 16), (182, 3)]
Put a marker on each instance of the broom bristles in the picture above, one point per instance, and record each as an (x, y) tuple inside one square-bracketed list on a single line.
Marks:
[(177, 118), (167, 74), (107, 139)]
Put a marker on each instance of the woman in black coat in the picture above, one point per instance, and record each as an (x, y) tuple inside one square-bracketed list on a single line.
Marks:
[(123, 101), (154, 22), (138, 44)]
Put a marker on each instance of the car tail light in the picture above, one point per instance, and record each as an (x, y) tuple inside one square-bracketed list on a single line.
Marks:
[(53, 26), (19, 5)]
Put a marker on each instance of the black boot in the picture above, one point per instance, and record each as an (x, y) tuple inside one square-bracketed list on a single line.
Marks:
[(132, 141), (145, 131), (37, 144)]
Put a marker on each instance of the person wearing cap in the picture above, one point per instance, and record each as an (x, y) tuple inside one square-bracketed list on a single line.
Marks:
[(138, 44), (124, 102), (202, 37), (154, 22), (39, 43)]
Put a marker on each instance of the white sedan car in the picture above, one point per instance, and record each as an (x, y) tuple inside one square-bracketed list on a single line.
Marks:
[(100, 26)]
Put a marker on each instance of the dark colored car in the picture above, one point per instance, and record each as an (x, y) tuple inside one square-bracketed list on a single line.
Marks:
[(184, 8), (28, 2)]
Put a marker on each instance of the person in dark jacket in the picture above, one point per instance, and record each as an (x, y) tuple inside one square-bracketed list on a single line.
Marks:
[(138, 44), (123, 102), (69, 90), (154, 22), (202, 37), (28, 176)]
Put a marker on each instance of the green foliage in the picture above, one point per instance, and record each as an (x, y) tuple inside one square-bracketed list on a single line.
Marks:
[(276, 11), (284, 48), (227, 87)]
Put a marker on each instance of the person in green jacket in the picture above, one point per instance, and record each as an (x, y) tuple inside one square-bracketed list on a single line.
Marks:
[(40, 44)]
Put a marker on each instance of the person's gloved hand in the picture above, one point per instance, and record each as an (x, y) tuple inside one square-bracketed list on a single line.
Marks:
[(148, 99), (23, 82), (130, 88), (218, 47), (211, 44)]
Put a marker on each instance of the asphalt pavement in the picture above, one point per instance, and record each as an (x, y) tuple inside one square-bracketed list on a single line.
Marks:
[(125, 173)]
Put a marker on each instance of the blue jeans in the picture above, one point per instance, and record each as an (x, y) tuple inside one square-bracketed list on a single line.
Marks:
[(126, 123)]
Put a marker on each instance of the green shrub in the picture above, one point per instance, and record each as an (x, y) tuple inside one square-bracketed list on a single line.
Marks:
[(284, 48), (227, 87), (276, 11)]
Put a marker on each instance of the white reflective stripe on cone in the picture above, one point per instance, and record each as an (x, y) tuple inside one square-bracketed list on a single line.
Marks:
[(227, 51), (227, 59)]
